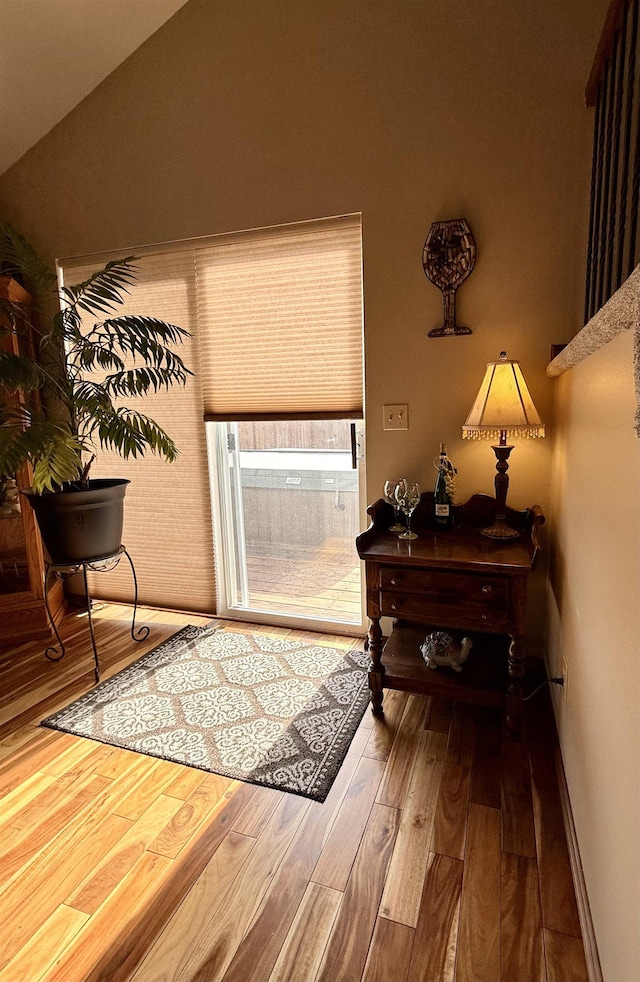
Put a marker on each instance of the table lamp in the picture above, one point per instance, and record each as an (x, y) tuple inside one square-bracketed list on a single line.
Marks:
[(503, 407)]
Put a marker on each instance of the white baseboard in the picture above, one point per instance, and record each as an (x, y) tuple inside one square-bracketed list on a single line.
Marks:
[(584, 912)]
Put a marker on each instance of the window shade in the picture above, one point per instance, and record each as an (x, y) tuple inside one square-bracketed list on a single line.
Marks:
[(280, 322), (167, 513), (276, 319)]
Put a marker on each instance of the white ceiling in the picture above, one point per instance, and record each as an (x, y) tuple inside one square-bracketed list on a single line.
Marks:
[(53, 53)]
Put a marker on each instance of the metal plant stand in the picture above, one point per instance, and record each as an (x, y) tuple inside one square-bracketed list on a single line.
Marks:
[(103, 564)]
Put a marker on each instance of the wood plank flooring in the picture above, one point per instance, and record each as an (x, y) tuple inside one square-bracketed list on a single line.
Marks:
[(439, 853)]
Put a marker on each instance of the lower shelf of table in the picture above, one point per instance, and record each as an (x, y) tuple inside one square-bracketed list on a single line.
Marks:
[(482, 680)]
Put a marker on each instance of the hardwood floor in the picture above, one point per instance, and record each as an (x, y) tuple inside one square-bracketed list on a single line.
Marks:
[(438, 854)]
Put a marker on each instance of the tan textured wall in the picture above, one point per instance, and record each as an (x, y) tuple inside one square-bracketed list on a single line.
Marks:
[(595, 626), (242, 113)]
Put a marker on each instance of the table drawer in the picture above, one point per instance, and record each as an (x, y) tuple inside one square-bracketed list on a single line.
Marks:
[(446, 587), (457, 614)]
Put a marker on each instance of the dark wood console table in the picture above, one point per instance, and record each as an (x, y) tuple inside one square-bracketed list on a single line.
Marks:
[(461, 581)]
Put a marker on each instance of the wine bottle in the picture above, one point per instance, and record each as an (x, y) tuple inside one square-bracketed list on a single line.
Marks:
[(442, 498)]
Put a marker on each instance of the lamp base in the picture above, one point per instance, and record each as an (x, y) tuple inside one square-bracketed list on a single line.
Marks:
[(500, 531)]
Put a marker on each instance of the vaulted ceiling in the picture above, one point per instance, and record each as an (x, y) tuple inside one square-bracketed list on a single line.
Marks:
[(53, 53)]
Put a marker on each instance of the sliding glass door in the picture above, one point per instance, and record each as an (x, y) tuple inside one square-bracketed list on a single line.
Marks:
[(287, 511)]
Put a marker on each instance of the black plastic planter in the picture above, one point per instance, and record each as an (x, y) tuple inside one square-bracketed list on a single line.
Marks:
[(81, 525)]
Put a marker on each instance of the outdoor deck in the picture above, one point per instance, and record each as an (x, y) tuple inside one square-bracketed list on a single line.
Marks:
[(327, 589)]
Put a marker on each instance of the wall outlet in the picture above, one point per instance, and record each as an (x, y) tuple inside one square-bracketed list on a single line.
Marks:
[(395, 417)]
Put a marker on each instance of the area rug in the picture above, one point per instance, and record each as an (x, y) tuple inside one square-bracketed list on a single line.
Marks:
[(258, 708)]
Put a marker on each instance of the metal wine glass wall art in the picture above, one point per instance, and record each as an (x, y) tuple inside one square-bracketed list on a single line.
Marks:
[(448, 258)]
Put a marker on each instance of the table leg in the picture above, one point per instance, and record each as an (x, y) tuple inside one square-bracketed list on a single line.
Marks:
[(140, 633), (49, 652), (376, 671), (514, 688), (96, 663)]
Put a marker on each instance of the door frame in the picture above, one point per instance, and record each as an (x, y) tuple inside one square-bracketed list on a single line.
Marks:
[(224, 543)]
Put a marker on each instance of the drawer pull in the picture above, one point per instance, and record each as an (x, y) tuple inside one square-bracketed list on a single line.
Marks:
[(487, 588), (393, 582), (393, 606), (485, 617)]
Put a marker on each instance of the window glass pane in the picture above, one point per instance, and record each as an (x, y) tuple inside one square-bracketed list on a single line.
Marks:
[(294, 503)]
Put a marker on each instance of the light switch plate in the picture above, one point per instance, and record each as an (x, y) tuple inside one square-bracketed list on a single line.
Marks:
[(395, 417)]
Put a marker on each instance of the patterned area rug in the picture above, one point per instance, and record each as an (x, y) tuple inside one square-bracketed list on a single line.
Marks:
[(262, 709)]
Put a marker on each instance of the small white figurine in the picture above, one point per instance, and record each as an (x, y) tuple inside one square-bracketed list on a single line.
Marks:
[(439, 649)]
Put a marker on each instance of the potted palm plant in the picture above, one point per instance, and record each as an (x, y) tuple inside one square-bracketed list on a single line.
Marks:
[(61, 380)]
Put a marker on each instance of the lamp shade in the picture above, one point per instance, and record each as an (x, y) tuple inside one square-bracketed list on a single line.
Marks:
[(503, 405)]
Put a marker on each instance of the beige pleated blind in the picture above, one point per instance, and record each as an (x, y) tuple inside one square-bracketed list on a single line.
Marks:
[(280, 322), (167, 528), (276, 323)]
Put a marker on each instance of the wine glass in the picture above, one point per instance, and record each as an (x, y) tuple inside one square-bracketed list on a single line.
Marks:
[(408, 498), (391, 499)]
